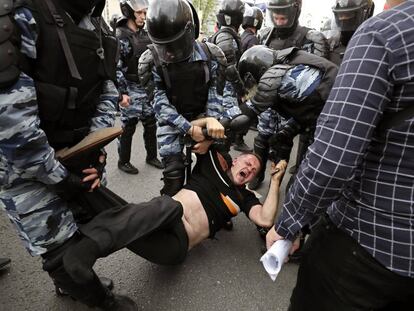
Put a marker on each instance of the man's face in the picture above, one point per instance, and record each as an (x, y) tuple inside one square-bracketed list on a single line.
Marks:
[(280, 19), (244, 168), (140, 17)]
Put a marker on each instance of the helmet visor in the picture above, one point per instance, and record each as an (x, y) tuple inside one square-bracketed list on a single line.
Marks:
[(138, 5), (283, 16), (348, 19), (177, 49)]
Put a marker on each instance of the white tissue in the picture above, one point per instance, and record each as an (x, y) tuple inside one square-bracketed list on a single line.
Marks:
[(274, 258)]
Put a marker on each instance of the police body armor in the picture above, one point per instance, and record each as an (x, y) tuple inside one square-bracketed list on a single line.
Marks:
[(307, 111), (296, 39), (68, 94), (224, 39), (186, 84), (139, 41)]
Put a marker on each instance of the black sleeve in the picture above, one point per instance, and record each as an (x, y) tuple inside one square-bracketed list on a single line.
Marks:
[(249, 200)]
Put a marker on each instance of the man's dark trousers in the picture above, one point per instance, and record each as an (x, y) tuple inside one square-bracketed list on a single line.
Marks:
[(336, 273)]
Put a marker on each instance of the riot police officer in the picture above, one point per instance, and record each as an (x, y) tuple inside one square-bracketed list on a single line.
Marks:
[(229, 19), (55, 89), (349, 15), (133, 40), (252, 22), (280, 76), (188, 78), (286, 31)]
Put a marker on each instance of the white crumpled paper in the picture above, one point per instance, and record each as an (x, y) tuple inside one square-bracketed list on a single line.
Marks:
[(274, 258)]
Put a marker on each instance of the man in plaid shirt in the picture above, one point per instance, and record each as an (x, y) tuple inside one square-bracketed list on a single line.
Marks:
[(360, 257)]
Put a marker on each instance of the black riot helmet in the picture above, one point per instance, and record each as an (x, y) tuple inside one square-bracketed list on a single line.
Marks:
[(253, 17), (230, 13), (79, 8), (349, 14), (128, 7), (254, 63), (289, 8), (172, 27)]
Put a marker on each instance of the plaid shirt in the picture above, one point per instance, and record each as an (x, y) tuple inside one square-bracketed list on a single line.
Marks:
[(364, 178)]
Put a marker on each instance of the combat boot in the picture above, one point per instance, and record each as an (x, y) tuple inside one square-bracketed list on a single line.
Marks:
[(240, 145), (106, 282), (124, 148), (128, 168), (173, 174), (150, 142), (4, 262), (261, 148), (115, 302)]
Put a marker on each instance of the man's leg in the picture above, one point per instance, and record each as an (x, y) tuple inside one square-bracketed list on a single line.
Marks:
[(171, 148), (87, 289), (167, 246), (336, 273), (125, 145), (150, 142), (261, 148), (116, 228)]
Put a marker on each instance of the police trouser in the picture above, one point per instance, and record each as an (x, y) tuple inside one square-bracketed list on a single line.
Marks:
[(91, 292), (125, 141)]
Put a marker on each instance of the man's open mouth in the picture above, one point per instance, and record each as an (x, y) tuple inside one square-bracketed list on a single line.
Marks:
[(243, 174)]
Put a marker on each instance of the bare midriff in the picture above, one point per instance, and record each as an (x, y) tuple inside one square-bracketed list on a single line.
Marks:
[(194, 217)]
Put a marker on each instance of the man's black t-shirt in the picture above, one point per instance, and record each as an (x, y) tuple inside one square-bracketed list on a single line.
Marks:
[(220, 198)]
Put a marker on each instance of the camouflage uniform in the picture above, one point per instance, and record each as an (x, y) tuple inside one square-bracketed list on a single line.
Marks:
[(209, 98), (28, 163), (171, 125), (140, 105)]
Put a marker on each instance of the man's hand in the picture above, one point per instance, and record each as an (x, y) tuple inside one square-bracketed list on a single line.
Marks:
[(214, 128), (202, 147), (94, 174), (196, 133), (277, 171), (272, 237), (124, 102)]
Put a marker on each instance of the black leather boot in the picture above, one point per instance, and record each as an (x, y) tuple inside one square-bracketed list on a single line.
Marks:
[(240, 145), (150, 142), (124, 148), (261, 148), (4, 262), (174, 174), (106, 282)]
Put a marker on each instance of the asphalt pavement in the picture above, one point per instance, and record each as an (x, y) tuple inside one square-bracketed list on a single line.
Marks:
[(220, 274)]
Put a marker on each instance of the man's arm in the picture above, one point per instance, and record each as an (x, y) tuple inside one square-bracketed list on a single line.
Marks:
[(264, 215), (361, 91)]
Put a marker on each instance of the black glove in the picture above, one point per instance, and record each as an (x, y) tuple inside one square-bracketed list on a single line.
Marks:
[(70, 187)]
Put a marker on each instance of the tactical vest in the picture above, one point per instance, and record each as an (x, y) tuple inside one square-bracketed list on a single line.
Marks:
[(139, 41), (186, 83), (9, 45), (234, 35), (296, 39), (308, 111), (68, 91)]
